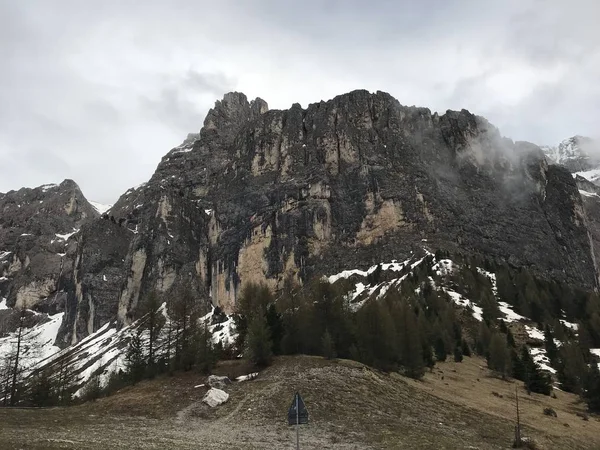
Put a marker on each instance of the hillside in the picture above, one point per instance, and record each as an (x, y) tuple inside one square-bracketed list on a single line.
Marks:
[(351, 407)]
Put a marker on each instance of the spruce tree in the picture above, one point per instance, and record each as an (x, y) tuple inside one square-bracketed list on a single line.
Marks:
[(259, 346), (207, 355), (42, 390), (411, 348), (498, 359), (458, 354), (328, 346), (572, 368), (135, 360), (592, 392), (518, 369), (551, 349), (535, 380), (484, 337), (440, 349), (151, 320)]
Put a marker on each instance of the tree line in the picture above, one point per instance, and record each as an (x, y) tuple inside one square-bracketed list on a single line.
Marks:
[(406, 329)]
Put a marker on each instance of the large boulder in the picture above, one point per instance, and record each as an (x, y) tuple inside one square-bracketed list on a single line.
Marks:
[(218, 382), (215, 397)]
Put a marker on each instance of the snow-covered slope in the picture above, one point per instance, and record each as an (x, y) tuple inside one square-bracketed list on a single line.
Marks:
[(100, 354), (578, 154), (100, 207), (443, 270)]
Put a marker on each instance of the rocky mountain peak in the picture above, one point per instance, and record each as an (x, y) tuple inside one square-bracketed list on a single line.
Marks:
[(577, 153)]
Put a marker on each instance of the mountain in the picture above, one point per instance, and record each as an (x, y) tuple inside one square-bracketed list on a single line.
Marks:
[(268, 195), (38, 231), (286, 196), (579, 154)]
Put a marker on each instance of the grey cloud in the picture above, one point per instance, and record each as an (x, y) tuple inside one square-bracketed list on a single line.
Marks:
[(107, 88)]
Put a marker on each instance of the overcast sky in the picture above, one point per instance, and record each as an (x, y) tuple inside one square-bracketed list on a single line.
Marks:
[(99, 91)]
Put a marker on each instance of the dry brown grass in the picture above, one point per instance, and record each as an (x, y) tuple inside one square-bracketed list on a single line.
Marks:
[(351, 407), (471, 384)]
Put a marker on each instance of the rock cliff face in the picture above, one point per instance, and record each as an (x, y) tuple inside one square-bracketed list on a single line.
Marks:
[(265, 196), (38, 233)]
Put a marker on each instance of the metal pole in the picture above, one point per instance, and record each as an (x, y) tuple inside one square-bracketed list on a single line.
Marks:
[(518, 436), (297, 424)]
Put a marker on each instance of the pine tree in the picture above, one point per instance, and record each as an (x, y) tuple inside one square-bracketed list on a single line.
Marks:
[(151, 321), (377, 335), (535, 380), (465, 348), (551, 349), (518, 369), (498, 359), (259, 346), (411, 349), (458, 354), (15, 357), (135, 360), (440, 348), (592, 392), (207, 355), (328, 346), (66, 379), (483, 339), (92, 390), (42, 390), (184, 317), (571, 368), (510, 339), (275, 324)]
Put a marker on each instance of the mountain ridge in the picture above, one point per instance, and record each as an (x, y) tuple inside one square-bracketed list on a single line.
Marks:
[(268, 195)]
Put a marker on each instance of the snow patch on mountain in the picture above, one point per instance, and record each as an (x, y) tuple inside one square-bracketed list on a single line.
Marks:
[(37, 342), (590, 175), (100, 207)]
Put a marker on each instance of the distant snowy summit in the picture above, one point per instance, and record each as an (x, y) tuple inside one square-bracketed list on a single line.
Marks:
[(579, 154), (100, 207)]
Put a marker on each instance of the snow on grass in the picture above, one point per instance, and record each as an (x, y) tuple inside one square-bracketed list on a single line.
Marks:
[(571, 325), (444, 267), (534, 333), (250, 376), (393, 266), (3, 304), (66, 236), (37, 342), (465, 302), (509, 314), (541, 359), (100, 207), (348, 273)]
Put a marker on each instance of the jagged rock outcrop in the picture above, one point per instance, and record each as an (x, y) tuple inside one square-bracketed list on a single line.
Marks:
[(38, 230), (357, 180), (269, 195)]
